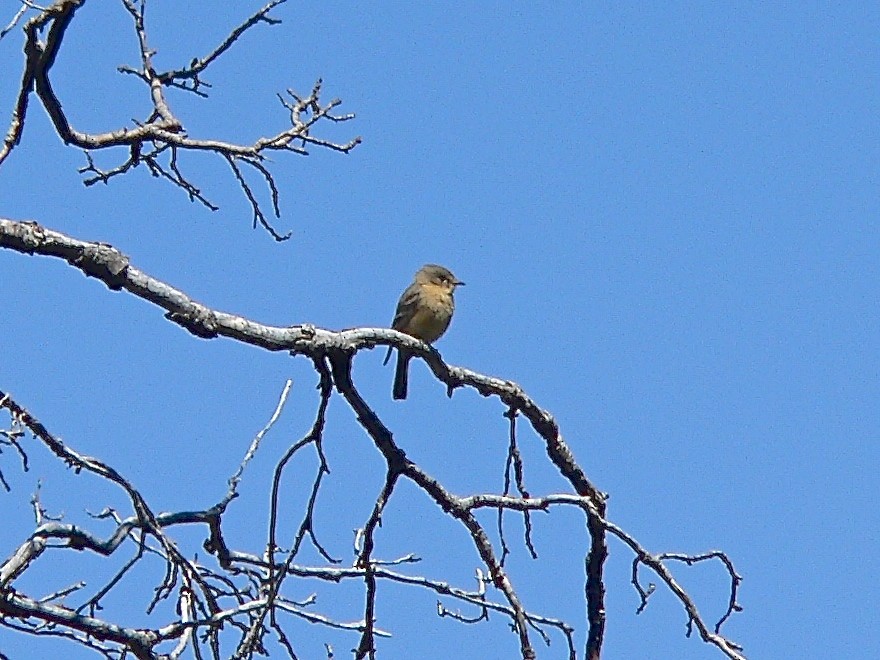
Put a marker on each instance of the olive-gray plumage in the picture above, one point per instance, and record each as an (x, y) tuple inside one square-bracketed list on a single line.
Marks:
[(424, 312)]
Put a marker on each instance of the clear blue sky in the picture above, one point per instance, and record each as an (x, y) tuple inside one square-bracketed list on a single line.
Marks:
[(667, 219)]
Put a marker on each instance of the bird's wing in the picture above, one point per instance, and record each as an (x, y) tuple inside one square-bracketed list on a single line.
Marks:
[(406, 307)]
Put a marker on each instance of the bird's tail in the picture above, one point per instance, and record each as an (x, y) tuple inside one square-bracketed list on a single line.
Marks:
[(400, 375)]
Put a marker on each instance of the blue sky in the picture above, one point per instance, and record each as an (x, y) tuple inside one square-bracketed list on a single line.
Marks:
[(666, 217)]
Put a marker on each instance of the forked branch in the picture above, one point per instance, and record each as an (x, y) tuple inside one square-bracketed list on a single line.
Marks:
[(258, 594), (161, 138)]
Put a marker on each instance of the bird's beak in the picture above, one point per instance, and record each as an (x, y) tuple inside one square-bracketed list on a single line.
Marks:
[(458, 283)]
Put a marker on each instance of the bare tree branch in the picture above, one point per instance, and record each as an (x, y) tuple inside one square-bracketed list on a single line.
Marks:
[(163, 134), (255, 583)]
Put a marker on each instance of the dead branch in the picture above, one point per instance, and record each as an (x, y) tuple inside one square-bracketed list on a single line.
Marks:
[(163, 135), (254, 583)]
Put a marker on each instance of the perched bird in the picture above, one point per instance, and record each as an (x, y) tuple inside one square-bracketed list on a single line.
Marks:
[(424, 312)]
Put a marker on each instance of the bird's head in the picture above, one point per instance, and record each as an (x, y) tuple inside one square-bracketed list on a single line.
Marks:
[(438, 276)]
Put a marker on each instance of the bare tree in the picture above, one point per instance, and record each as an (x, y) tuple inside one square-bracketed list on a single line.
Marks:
[(234, 602)]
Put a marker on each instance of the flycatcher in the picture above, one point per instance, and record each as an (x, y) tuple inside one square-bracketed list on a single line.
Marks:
[(424, 312)]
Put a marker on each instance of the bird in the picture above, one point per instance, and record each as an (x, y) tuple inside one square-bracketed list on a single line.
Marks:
[(424, 311)]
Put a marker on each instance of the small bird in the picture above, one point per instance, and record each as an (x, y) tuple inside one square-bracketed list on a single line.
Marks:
[(424, 312)]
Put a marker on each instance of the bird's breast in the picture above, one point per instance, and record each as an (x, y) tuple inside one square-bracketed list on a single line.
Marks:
[(432, 318)]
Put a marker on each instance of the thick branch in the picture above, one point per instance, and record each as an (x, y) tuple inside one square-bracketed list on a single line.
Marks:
[(139, 641), (107, 264)]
